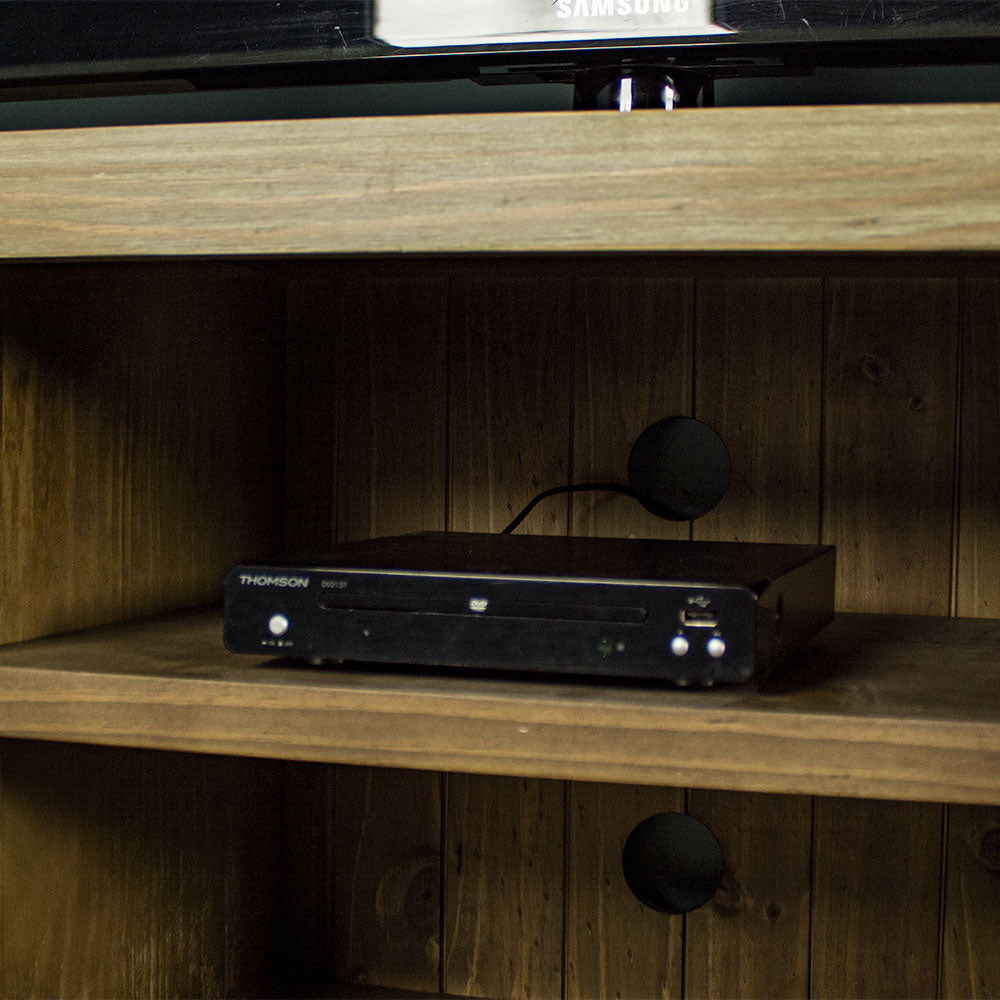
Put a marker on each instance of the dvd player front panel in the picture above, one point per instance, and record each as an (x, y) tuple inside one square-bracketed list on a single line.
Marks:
[(684, 632)]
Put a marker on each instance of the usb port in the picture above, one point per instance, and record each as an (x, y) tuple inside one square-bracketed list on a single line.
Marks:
[(698, 618)]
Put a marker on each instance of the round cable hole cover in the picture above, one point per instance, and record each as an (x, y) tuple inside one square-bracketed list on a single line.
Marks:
[(672, 863), (680, 467)]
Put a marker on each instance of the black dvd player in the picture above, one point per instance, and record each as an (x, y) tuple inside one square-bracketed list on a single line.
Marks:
[(685, 612)]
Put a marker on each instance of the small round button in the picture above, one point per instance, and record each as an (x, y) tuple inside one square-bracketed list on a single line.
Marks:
[(715, 647), (278, 625), (679, 645)]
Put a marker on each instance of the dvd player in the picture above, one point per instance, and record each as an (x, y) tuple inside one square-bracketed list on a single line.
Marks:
[(685, 612)]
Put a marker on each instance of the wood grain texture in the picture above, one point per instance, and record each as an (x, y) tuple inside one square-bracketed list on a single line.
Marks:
[(370, 351), (308, 904), (752, 939), (312, 430), (511, 382), (388, 878), (615, 946), (390, 382), (511, 366), (161, 882), (890, 442), (759, 349), (503, 887), (876, 908), (978, 575), (891, 380), (971, 962), (728, 178), (139, 438), (874, 712), (632, 367)]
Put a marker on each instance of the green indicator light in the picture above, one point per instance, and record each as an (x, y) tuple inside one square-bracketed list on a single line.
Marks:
[(604, 647)]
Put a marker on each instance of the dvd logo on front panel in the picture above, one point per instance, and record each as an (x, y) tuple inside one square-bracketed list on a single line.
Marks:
[(266, 580), (619, 8)]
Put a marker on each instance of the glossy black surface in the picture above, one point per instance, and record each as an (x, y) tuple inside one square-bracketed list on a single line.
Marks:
[(227, 43)]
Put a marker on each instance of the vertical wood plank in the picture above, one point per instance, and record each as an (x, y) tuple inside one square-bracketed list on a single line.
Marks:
[(889, 440), (633, 367), (890, 392), (616, 946), (876, 906), (312, 431), (752, 939), (392, 404), (162, 882), (139, 439), (511, 382), (308, 960), (369, 347), (978, 583), (759, 350), (503, 887), (388, 878), (971, 959), (759, 357)]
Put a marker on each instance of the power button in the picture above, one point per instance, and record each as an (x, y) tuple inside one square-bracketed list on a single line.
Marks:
[(278, 625)]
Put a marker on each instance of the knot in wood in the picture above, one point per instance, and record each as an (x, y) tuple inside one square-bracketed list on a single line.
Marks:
[(989, 849), (874, 370)]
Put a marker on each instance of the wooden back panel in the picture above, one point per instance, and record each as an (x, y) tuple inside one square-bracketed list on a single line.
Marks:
[(837, 393), (857, 399)]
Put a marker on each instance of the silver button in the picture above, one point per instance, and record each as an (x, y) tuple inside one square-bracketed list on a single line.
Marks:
[(715, 647), (278, 625), (679, 645)]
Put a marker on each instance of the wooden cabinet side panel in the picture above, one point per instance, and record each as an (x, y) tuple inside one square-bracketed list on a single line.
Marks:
[(132, 873), (141, 415)]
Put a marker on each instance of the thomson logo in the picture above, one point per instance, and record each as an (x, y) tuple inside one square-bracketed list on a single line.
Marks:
[(619, 8), (265, 580)]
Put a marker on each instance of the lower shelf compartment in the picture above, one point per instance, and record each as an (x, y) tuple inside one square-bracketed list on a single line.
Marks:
[(877, 707)]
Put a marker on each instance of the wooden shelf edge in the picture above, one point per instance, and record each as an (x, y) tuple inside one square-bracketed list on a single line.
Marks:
[(737, 179), (870, 717)]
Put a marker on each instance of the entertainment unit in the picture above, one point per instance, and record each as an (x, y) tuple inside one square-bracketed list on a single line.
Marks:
[(221, 340)]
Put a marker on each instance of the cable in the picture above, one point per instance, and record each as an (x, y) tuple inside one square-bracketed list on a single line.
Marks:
[(568, 488)]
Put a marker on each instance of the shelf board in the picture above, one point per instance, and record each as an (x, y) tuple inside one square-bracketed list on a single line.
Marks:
[(879, 707), (764, 179)]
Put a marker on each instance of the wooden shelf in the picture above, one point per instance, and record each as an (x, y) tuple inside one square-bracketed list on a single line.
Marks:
[(713, 179), (894, 707)]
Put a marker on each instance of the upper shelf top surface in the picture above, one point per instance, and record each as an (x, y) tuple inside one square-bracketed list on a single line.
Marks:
[(873, 178), (905, 708)]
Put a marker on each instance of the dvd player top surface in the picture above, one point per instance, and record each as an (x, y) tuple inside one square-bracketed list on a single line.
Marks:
[(751, 564)]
